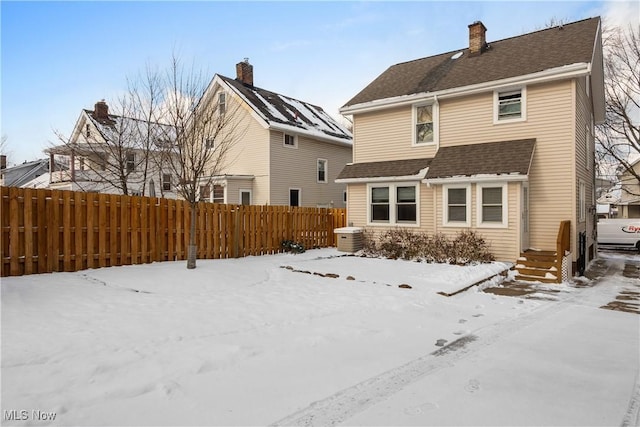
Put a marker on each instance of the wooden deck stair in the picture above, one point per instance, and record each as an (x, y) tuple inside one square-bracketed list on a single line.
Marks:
[(538, 266), (545, 266)]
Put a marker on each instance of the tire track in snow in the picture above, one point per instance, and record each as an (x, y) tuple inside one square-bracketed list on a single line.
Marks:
[(348, 402)]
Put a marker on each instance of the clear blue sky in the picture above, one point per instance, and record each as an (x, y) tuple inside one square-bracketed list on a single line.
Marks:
[(61, 57)]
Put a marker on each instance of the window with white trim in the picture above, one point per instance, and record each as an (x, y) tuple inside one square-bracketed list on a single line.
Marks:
[(245, 197), (131, 162), (492, 205), (290, 141), (344, 196), (218, 194), (393, 203), (424, 124), (222, 102), (457, 205), (509, 106), (582, 202), (321, 175), (205, 192), (166, 182), (209, 143)]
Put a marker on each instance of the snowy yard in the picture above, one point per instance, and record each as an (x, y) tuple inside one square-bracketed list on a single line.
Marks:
[(249, 342)]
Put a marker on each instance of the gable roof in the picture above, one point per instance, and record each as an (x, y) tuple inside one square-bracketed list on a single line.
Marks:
[(396, 169), (504, 158), (512, 57), (286, 113)]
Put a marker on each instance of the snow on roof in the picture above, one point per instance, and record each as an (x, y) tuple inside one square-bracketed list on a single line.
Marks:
[(285, 113)]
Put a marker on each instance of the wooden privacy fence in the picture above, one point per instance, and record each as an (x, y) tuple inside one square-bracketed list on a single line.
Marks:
[(54, 230)]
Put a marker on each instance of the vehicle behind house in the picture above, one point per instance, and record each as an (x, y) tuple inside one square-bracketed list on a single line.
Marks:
[(619, 233)]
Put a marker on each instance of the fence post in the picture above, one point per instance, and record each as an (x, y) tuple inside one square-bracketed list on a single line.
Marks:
[(236, 231)]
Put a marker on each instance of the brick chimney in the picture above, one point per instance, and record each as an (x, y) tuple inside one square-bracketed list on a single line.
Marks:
[(477, 38), (244, 72), (101, 111)]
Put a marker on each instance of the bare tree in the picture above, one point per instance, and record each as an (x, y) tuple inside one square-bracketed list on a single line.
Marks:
[(112, 149), (618, 139), (202, 132), (4, 148)]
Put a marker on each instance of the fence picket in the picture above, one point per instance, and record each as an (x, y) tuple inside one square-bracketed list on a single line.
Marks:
[(54, 230)]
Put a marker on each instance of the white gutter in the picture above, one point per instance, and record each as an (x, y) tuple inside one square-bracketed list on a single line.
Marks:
[(559, 73), (420, 175), (476, 178)]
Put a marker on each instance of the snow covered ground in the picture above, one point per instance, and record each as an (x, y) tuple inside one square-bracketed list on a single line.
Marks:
[(250, 342)]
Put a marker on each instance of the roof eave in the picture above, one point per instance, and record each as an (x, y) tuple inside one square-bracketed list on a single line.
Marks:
[(300, 131), (552, 74)]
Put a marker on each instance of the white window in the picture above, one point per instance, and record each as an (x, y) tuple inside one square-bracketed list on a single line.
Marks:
[(245, 197), (492, 205), (131, 162), (509, 106), (290, 141), (218, 194), (321, 175), (393, 204), (166, 182), (456, 205), (209, 144), (344, 196), (222, 102), (205, 192), (425, 119), (582, 208)]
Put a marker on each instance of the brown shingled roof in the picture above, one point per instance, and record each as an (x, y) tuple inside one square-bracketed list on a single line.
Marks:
[(385, 169), (493, 158), (516, 56)]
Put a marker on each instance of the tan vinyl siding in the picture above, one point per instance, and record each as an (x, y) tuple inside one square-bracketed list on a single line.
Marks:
[(297, 168), (249, 155), (387, 135), (550, 122), (550, 119), (503, 242), (583, 172), (357, 205)]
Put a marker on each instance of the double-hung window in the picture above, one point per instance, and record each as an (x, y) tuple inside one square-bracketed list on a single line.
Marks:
[(406, 204), (166, 182), (322, 171), (222, 102), (492, 205), (131, 162), (509, 106), (457, 209), (218, 194), (393, 204), (424, 124)]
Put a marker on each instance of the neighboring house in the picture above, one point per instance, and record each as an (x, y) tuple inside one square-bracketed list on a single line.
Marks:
[(629, 203), (19, 175), (496, 138), (287, 152), (89, 162)]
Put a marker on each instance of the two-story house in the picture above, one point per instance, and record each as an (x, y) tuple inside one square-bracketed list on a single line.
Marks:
[(105, 150), (495, 137), (287, 151)]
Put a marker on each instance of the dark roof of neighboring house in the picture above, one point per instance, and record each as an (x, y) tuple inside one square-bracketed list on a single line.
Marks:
[(516, 56), (283, 110), (391, 168), (492, 158)]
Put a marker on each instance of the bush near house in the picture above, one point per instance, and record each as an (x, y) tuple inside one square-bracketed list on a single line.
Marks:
[(465, 248)]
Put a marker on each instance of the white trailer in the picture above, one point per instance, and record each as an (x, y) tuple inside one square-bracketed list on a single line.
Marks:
[(619, 233)]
